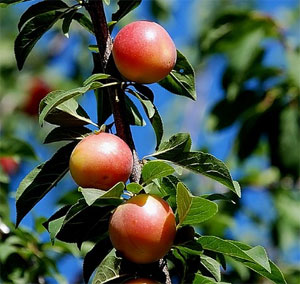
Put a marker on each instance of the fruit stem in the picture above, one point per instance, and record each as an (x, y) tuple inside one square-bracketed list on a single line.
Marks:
[(116, 94)]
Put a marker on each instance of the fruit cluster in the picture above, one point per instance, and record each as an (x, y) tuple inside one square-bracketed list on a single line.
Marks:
[(143, 228)]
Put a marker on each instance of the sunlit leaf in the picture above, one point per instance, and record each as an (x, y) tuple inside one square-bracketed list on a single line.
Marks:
[(155, 169), (193, 210)]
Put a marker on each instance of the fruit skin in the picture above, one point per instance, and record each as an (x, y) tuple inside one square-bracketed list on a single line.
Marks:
[(9, 165), (143, 229), (100, 161), (37, 91), (141, 281), (144, 52)]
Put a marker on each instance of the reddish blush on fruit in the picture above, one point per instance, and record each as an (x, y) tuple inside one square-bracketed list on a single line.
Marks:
[(100, 161), (144, 52), (143, 229)]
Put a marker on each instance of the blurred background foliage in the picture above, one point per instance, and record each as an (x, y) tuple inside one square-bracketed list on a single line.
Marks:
[(247, 62)]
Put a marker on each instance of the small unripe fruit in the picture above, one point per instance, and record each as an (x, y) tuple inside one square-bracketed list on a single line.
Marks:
[(144, 52), (141, 281), (100, 161), (143, 229)]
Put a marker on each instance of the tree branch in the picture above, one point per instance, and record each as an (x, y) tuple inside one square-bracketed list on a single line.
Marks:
[(104, 43)]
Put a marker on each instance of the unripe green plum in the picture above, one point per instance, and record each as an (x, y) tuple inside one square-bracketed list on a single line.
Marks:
[(141, 281), (144, 52), (143, 228), (100, 161)]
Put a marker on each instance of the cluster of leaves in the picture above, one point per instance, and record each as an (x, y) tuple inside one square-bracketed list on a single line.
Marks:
[(23, 257), (263, 101), (87, 219), (269, 107)]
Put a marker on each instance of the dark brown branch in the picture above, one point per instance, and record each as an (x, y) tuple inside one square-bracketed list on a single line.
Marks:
[(117, 99), (104, 43)]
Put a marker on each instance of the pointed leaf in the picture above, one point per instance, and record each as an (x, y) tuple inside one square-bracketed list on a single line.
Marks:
[(92, 194), (134, 187), (178, 143), (56, 98), (67, 114), (95, 256), (66, 134), (32, 32), (40, 8), (109, 269), (95, 77), (203, 163), (152, 114), (84, 21), (212, 266), (193, 210), (133, 115), (256, 255), (84, 222), (41, 180), (155, 169), (181, 80), (67, 22), (125, 7)]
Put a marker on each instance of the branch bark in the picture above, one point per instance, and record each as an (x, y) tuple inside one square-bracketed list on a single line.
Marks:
[(104, 43)]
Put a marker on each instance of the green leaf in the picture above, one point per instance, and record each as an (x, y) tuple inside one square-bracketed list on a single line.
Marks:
[(181, 80), (133, 115), (40, 8), (125, 7), (151, 112), (208, 165), (255, 255), (5, 3), (191, 247), (275, 275), (58, 97), (67, 22), (200, 279), (41, 180), (193, 210), (67, 114), (32, 32), (84, 222), (55, 226), (109, 269), (95, 77), (134, 187), (6, 250), (155, 169), (92, 194), (55, 222), (95, 256), (84, 21), (293, 59), (178, 143), (66, 134), (289, 138), (212, 266), (10, 146)]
